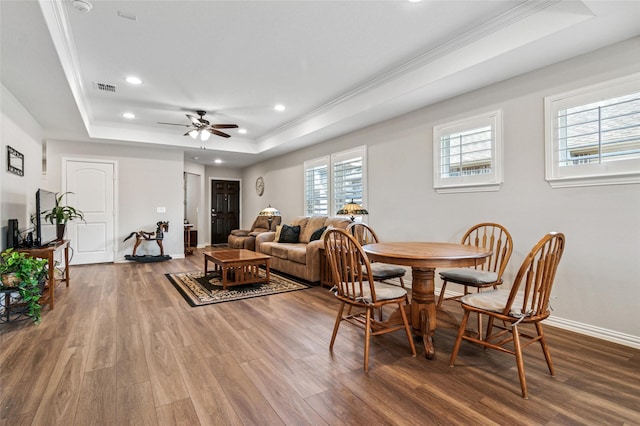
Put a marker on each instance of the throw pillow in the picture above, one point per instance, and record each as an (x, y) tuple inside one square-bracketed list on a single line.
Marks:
[(278, 231), (317, 233), (289, 234), (328, 228)]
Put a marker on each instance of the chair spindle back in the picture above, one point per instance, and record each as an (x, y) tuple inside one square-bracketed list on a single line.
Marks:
[(532, 286), (494, 237), (350, 267)]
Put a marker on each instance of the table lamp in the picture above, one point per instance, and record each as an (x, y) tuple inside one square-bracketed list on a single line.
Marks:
[(352, 209), (270, 213)]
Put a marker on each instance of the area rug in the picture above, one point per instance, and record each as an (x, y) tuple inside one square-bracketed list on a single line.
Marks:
[(200, 290)]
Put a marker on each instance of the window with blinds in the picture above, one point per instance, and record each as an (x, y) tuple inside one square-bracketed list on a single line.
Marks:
[(467, 154), (348, 179), (333, 181), (316, 187), (593, 134)]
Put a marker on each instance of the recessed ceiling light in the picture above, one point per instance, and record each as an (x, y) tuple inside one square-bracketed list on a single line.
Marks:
[(242, 131), (133, 80), (217, 161), (195, 158), (129, 115), (279, 107), (415, 1)]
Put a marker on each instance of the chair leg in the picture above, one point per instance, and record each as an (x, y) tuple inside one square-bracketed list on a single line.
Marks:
[(407, 329), (441, 297), (519, 360), (402, 283), (545, 349), (337, 325), (487, 335), (456, 346), (367, 339)]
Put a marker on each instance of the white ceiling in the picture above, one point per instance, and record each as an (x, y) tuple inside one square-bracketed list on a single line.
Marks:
[(336, 65)]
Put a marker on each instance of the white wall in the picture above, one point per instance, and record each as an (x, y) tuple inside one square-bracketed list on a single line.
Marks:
[(596, 288), (19, 130), (146, 179)]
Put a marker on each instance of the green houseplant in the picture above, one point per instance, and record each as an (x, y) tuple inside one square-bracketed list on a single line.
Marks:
[(60, 215), (26, 274)]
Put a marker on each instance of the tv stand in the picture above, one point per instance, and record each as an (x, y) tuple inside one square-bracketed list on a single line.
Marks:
[(48, 252)]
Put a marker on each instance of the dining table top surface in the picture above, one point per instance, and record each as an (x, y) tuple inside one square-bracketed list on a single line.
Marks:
[(425, 251)]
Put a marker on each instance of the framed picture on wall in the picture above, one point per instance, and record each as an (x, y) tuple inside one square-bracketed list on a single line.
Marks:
[(15, 161)]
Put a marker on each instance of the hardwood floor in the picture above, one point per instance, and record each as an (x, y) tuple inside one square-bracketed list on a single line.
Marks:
[(122, 347)]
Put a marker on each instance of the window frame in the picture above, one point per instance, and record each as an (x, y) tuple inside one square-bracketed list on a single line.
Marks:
[(606, 173), (471, 183), (331, 161)]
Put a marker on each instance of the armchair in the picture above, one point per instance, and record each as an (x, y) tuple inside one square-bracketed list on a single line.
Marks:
[(246, 238)]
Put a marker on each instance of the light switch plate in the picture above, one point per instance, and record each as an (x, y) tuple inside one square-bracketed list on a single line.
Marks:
[(161, 210)]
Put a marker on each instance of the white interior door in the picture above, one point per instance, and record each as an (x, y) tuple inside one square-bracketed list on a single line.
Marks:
[(92, 184)]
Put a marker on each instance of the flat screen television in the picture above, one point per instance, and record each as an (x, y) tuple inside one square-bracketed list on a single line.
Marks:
[(45, 231)]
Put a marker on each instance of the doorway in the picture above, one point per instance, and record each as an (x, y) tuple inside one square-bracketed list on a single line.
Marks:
[(225, 209), (192, 196)]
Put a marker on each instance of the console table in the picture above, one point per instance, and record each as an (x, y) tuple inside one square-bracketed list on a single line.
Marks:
[(48, 252)]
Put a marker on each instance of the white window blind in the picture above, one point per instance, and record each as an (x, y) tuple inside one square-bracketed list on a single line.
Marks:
[(467, 154), (593, 135), (348, 178), (316, 187), (331, 182)]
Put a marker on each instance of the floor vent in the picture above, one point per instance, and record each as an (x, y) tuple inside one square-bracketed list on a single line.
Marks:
[(103, 87)]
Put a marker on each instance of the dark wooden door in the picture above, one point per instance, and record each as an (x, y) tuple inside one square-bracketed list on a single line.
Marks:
[(225, 209)]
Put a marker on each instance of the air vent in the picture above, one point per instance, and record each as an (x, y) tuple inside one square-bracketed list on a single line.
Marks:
[(104, 87)]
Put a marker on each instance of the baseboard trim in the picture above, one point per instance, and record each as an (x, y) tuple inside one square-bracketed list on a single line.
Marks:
[(593, 331), (582, 328)]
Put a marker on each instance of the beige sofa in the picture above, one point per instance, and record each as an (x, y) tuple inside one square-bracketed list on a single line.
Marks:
[(300, 259)]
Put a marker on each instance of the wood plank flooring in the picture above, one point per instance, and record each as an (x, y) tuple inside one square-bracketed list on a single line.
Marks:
[(122, 347)]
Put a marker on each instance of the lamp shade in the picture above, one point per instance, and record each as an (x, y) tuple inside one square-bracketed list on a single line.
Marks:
[(269, 211), (352, 209)]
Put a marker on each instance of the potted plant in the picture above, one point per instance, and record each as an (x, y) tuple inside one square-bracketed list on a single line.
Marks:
[(26, 275), (60, 215)]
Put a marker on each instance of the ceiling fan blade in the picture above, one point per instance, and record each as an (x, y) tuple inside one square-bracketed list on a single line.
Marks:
[(219, 133), (175, 124), (224, 126), (195, 120)]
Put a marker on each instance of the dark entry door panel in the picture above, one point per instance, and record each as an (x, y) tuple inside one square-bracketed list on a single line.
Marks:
[(225, 209)]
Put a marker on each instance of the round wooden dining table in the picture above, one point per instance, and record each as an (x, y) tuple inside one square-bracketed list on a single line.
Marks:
[(424, 258)]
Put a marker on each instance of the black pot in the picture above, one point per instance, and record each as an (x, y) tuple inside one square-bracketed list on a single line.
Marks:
[(60, 228)]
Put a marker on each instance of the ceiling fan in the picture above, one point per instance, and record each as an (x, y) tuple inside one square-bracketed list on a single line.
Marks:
[(202, 127)]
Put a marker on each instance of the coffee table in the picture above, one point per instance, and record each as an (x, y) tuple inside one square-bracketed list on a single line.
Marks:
[(238, 266)]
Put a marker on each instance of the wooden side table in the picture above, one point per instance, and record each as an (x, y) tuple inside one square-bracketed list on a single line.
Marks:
[(325, 271), (48, 295), (187, 239)]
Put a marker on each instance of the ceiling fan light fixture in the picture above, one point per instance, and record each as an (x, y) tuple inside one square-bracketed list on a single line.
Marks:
[(193, 133), (204, 135)]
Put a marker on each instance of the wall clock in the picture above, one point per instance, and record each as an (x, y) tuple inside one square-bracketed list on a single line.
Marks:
[(260, 185)]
